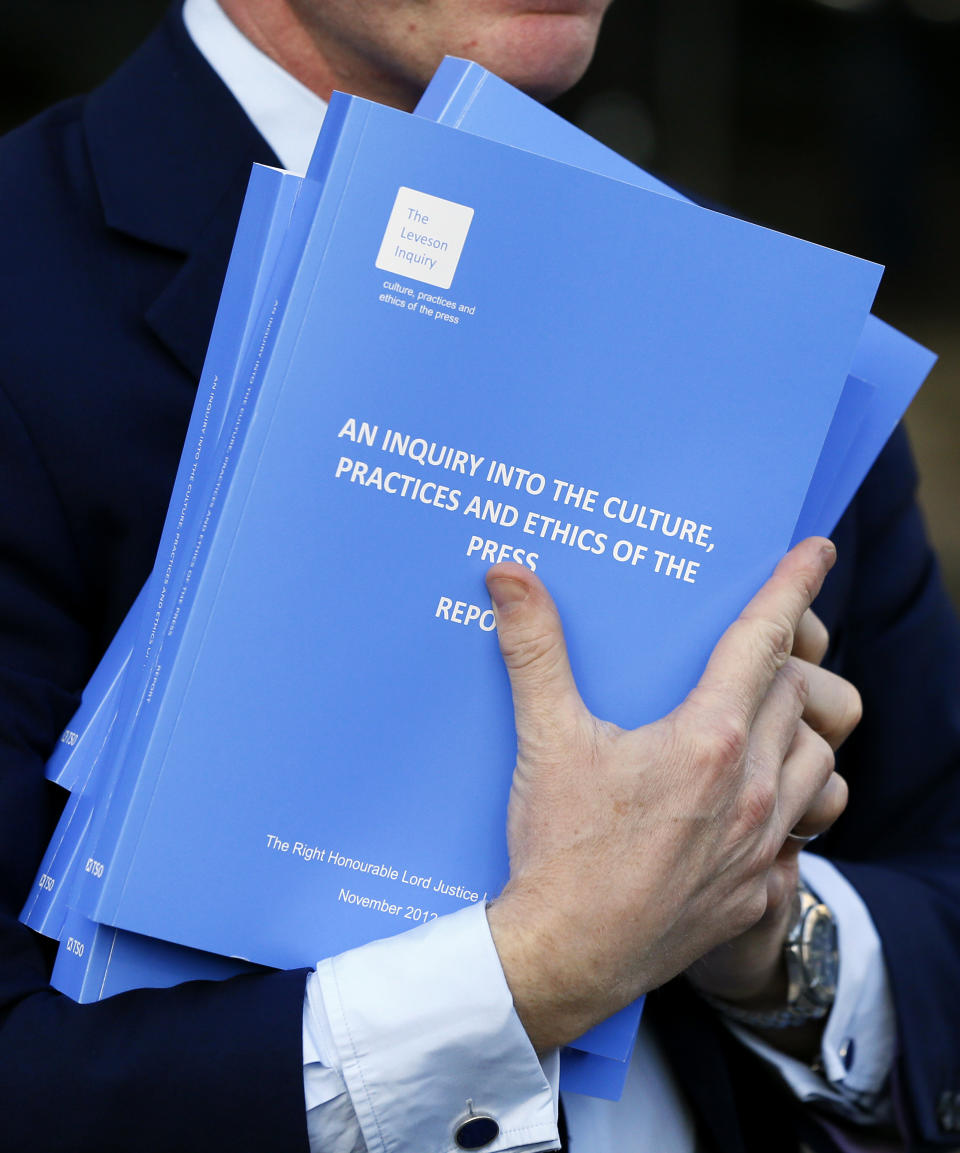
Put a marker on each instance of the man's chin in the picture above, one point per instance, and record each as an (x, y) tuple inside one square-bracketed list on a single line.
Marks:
[(542, 55)]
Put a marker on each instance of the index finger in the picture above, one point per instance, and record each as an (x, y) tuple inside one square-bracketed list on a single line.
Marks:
[(755, 647)]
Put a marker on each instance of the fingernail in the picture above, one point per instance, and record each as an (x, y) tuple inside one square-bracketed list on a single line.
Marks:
[(829, 552), (504, 591)]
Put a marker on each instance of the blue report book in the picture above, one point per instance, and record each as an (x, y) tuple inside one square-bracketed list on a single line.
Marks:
[(469, 367), (467, 103), (469, 97), (841, 428)]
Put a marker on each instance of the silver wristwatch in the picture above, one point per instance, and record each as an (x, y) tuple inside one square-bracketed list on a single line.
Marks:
[(812, 960)]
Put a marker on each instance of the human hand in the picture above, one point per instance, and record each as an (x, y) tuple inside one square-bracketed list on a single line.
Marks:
[(634, 853), (750, 969)]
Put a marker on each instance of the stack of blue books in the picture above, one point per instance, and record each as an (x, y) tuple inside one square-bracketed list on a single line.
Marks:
[(467, 335)]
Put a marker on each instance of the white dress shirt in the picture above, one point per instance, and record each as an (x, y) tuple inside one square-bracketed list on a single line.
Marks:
[(399, 1035)]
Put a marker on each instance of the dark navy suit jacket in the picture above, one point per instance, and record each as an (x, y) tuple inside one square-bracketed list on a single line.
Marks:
[(118, 212)]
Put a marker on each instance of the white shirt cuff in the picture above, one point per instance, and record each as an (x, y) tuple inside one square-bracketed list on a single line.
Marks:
[(859, 1039), (400, 1034)]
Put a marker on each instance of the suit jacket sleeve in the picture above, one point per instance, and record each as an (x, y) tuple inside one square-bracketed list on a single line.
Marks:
[(896, 637)]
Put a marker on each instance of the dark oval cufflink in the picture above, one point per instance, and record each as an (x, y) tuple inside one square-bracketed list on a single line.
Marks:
[(475, 1130)]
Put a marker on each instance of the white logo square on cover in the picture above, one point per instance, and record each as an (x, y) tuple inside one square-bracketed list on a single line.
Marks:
[(424, 237)]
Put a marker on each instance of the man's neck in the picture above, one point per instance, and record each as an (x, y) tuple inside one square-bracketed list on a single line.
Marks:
[(285, 113), (320, 62)]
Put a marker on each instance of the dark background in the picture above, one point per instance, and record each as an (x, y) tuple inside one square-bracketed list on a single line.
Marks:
[(835, 120)]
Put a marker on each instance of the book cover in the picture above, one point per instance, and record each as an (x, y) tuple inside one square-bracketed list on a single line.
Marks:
[(485, 355)]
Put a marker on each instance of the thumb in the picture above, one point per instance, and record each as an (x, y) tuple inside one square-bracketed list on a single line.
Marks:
[(546, 702)]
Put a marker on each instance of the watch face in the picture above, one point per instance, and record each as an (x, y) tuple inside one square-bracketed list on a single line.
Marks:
[(819, 954)]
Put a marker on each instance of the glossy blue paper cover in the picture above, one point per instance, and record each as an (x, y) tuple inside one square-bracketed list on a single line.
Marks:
[(627, 391)]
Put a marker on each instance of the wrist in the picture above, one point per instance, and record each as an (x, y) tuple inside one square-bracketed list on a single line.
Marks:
[(762, 989), (527, 956), (807, 973), (750, 971), (556, 992)]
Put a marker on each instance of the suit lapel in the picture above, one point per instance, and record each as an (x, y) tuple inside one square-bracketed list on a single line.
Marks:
[(171, 152), (182, 315)]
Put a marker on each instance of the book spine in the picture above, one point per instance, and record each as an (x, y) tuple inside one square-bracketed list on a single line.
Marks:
[(48, 883), (451, 90), (81, 958), (57, 877), (325, 150), (215, 398), (83, 737)]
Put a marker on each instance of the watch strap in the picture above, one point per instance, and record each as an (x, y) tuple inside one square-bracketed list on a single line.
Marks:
[(786, 1017)]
